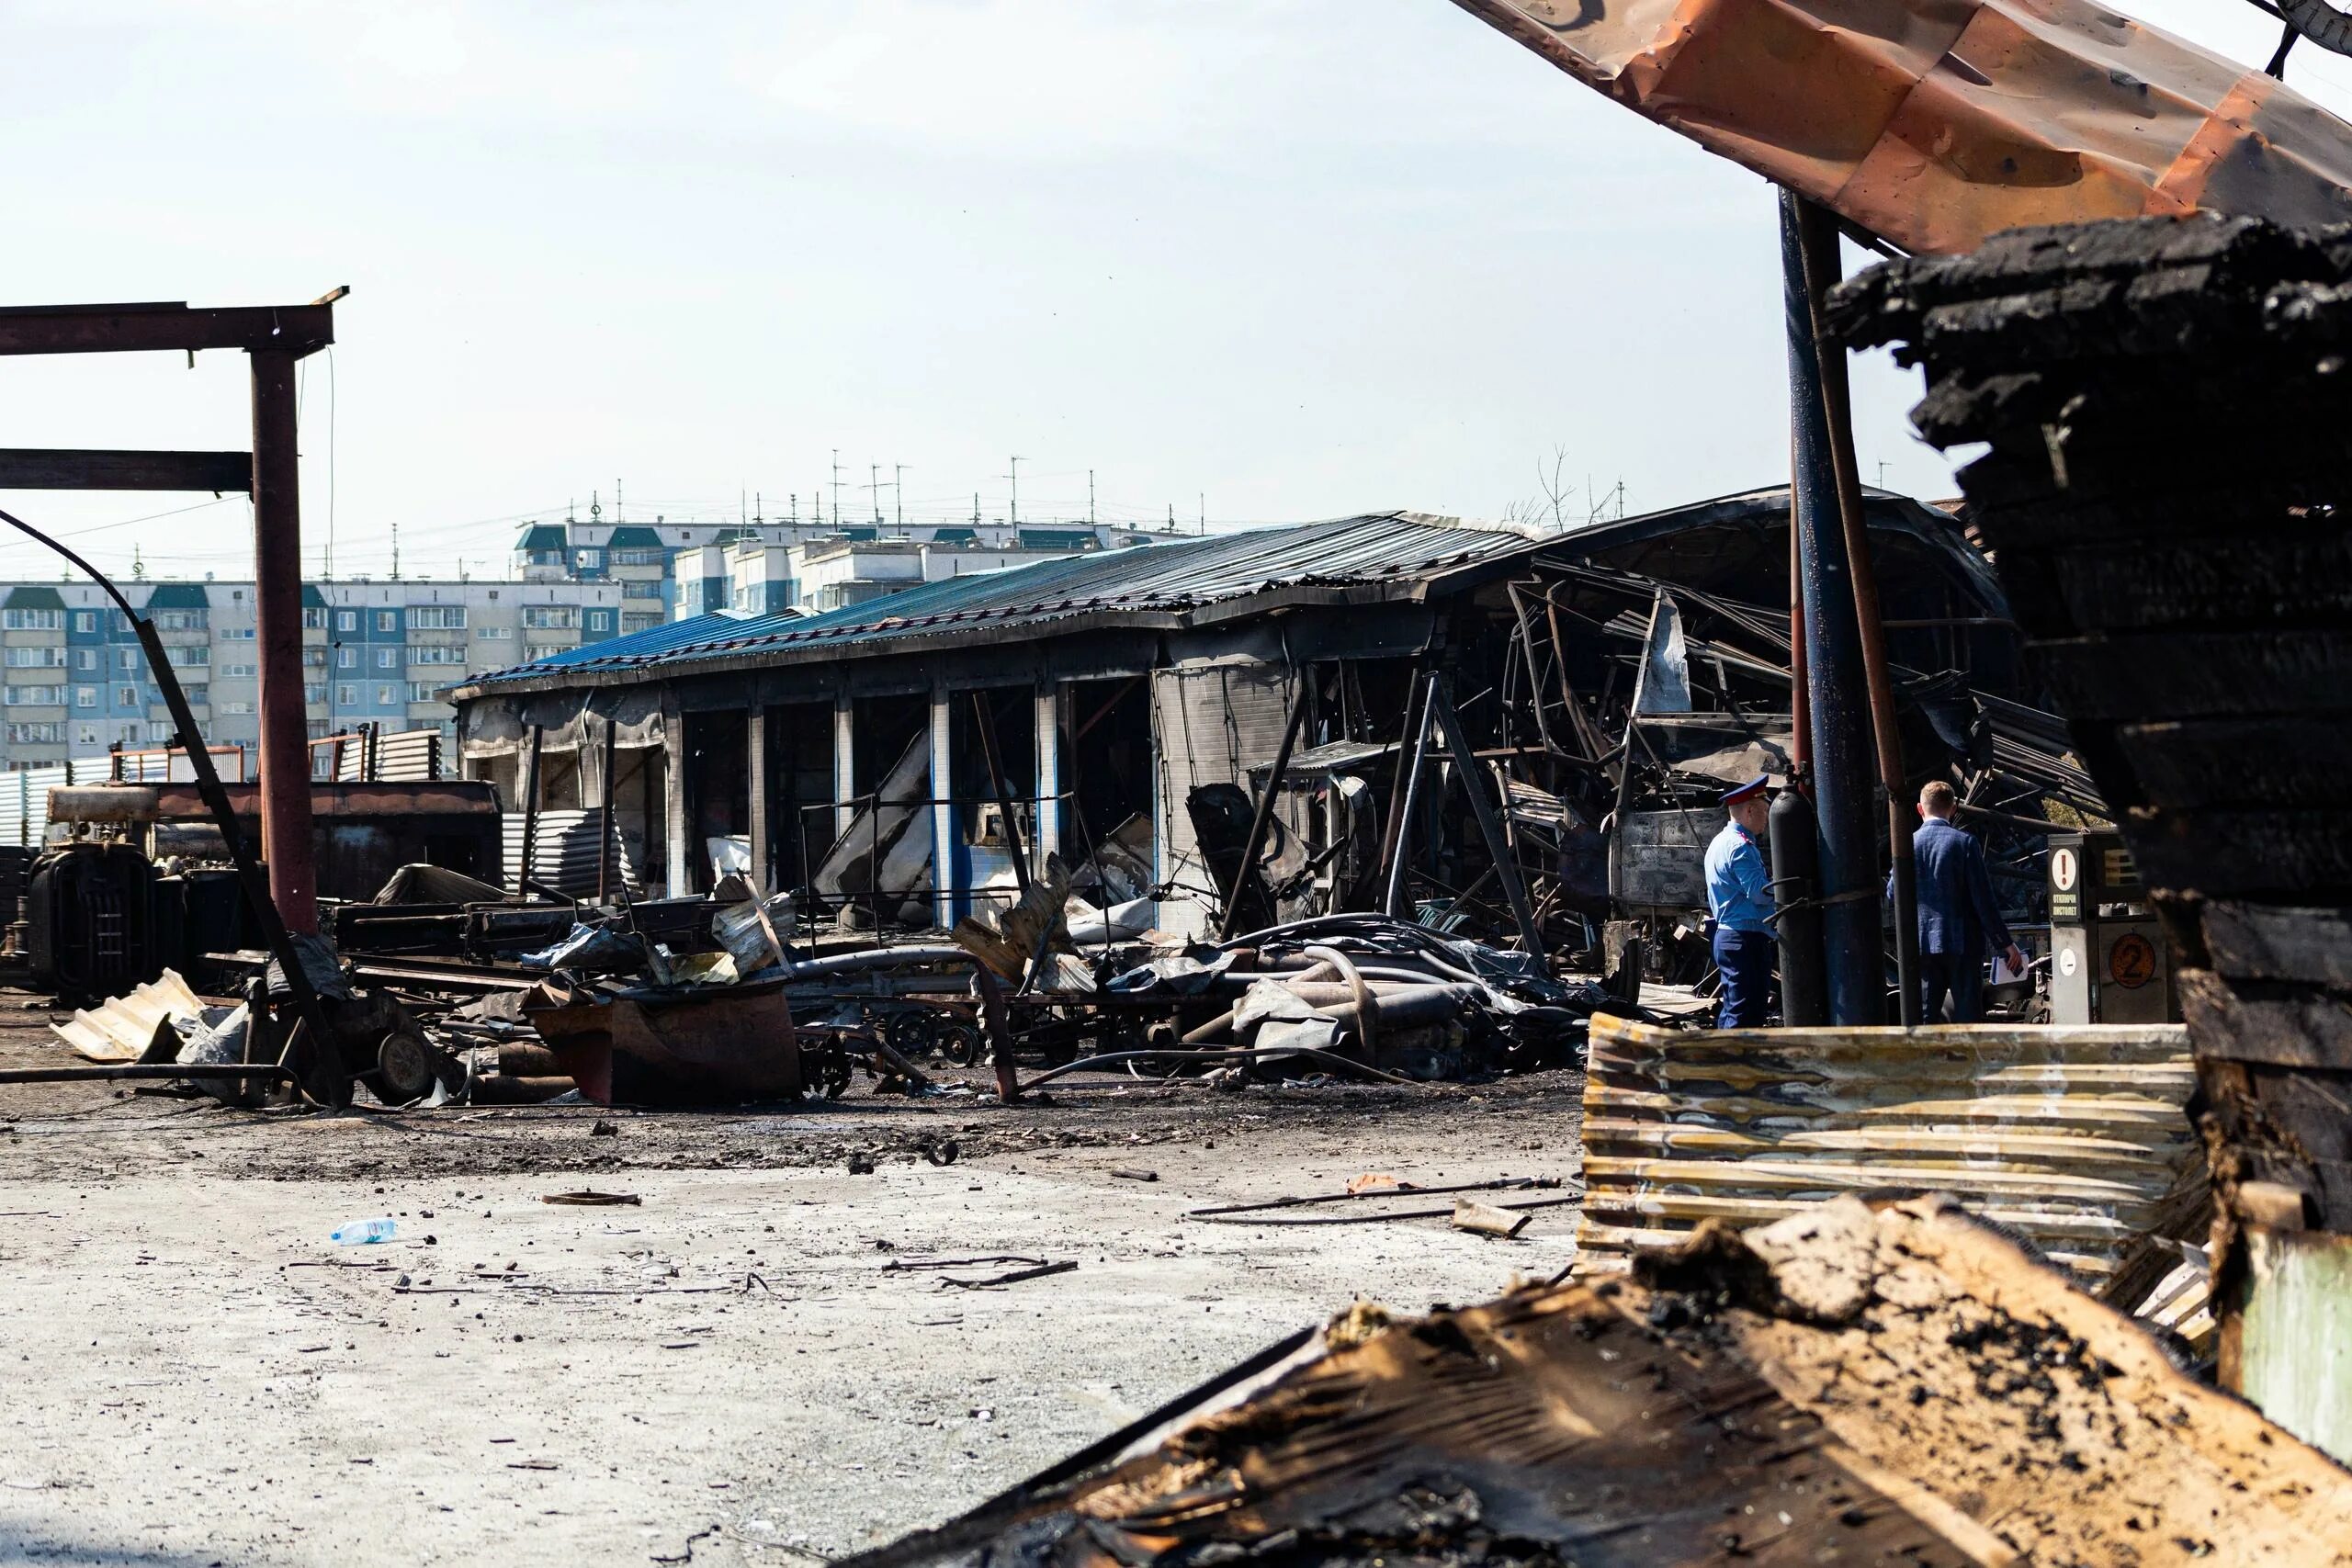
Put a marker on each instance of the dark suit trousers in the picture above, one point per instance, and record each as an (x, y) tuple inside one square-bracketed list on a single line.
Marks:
[(1960, 976)]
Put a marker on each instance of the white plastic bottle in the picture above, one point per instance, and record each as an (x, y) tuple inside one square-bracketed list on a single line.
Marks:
[(362, 1233)]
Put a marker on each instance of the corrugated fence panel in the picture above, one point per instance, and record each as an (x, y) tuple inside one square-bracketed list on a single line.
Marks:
[(2076, 1136), (24, 794), (564, 853)]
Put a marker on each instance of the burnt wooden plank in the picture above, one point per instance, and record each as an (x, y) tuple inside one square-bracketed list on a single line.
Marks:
[(2224, 853), (2272, 941), (2298, 575), (2280, 761), (2286, 1028), (2155, 676)]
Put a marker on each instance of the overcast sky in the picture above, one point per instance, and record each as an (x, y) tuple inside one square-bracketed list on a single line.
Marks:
[(1298, 260)]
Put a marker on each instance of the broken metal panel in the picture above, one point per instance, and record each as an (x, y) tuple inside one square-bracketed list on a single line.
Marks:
[(2076, 1137), (1211, 724), (1935, 124), (1860, 1386)]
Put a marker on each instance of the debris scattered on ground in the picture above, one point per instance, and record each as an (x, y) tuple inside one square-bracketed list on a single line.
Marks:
[(1892, 1385)]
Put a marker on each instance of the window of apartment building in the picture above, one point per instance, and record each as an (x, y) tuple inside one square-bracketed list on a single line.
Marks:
[(36, 734), (32, 620), (388, 620), (86, 735), (189, 655), (54, 696), (590, 559), (388, 658), (387, 696), (636, 558), (85, 620), (346, 659), (637, 623), (494, 634), (600, 620), (314, 692), (314, 659), (237, 709), (126, 696), (424, 691), (437, 618), (539, 650), (85, 696), (640, 591), (318, 729), (182, 620), (436, 653), (237, 633), (743, 596), (346, 620), (314, 618), (550, 618), (347, 696), (198, 697), (85, 659), (159, 732), (245, 671), (36, 658), (125, 659)]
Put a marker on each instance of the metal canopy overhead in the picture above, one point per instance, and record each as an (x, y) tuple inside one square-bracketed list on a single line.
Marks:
[(1379, 556), (1935, 123)]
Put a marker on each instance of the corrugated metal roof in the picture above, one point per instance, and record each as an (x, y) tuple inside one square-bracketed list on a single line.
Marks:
[(633, 536), (179, 596), (1383, 550), (542, 536), (33, 596)]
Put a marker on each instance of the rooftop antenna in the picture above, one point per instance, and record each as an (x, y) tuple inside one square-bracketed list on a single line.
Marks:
[(898, 495), (571, 511), (795, 509), (1015, 478), (759, 509), (396, 552), (616, 503), (138, 566), (742, 507), (874, 483), (976, 509), (1090, 495), (1204, 511), (837, 487), (595, 507)]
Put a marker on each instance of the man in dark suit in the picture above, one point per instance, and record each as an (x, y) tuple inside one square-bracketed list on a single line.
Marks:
[(1959, 923)]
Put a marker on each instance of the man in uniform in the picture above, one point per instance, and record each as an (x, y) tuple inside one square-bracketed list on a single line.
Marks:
[(1739, 898), (1958, 921)]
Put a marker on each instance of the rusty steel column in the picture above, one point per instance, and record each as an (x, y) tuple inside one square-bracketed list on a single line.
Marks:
[(285, 767)]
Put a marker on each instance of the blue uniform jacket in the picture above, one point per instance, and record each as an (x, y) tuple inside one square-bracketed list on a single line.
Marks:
[(1957, 914), (1739, 888)]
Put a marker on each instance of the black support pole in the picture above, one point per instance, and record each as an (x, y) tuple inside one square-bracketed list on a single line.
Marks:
[(1838, 691)]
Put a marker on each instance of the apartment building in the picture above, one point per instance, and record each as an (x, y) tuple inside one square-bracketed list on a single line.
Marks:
[(77, 683)]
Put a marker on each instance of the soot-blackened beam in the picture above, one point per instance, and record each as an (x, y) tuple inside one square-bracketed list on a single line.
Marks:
[(27, 468), (297, 329)]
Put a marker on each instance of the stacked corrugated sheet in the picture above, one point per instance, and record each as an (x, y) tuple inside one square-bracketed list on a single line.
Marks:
[(2074, 1137), (566, 847)]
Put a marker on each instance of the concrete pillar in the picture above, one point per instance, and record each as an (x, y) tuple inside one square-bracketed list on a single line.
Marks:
[(1046, 838), (677, 830), (755, 756), (944, 889), (844, 765)]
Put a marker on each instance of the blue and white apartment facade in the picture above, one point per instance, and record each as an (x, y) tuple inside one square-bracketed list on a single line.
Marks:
[(73, 682)]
